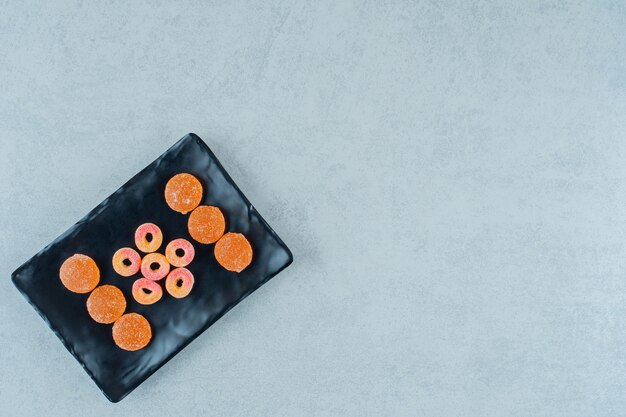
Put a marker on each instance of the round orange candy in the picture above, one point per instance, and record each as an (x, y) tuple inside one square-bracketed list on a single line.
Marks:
[(233, 252), (146, 291), (179, 282), (126, 262), (79, 273), (206, 224), (132, 332), (106, 304), (148, 237), (183, 193)]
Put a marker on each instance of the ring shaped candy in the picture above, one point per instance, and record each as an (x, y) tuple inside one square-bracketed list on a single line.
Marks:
[(146, 291), (179, 252), (126, 262), (179, 282), (148, 237), (154, 266)]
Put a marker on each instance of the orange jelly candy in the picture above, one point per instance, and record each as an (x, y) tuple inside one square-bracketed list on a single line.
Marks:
[(106, 304), (233, 252), (183, 193), (79, 273), (132, 332), (206, 224)]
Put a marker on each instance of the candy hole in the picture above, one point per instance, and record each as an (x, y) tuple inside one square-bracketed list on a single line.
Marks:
[(180, 252), (179, 283), (147, 291), (149, 237), (154, 266), (127, 262)]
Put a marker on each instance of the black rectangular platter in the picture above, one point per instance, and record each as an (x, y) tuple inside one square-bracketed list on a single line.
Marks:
[(110, 226)]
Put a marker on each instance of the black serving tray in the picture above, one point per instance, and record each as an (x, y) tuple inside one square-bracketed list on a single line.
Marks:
[(110, 226)]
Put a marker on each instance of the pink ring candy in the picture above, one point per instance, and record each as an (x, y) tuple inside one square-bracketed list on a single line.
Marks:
[(126, 262), (179, 252), (179, 282), (146, 292), (148, 237), (154, 266)]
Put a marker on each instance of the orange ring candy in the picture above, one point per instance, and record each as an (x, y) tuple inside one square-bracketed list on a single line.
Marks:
[(233, 252), (154, 266), (132, 332), (206, 224), (146, 291), (183, 193), (106, 304), (126, 262), (148, 237), (179, 252), (179, 282), (79, 273)]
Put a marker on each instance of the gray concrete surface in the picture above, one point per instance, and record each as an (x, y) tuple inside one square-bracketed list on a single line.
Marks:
[(451, 177)]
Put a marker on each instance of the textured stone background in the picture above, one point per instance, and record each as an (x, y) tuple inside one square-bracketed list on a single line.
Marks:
[(451, 177)]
